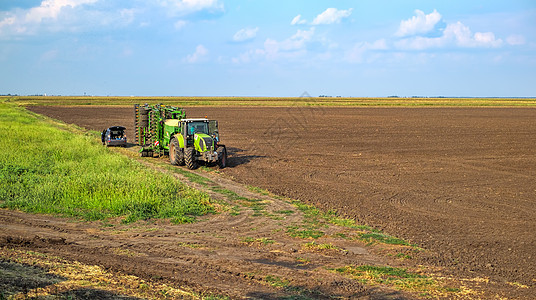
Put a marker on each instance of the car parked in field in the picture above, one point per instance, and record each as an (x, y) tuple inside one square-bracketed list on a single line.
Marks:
[(114, 136)]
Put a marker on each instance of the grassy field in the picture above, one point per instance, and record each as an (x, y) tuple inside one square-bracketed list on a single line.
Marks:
[(47, 168), (271, 101)]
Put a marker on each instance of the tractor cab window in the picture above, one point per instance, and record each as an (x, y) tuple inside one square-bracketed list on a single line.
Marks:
[(197, 127)]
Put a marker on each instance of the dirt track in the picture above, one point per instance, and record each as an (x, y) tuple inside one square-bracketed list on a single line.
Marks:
[(457, 181)]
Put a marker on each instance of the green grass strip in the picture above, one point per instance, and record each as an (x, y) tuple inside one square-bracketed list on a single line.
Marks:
[(46, 168), (400, 278), (383, 238)]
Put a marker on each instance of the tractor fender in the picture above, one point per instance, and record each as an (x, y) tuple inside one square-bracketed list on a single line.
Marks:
[(180, 138)]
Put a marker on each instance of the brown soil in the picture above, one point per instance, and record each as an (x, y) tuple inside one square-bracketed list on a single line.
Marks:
[(458, 182)]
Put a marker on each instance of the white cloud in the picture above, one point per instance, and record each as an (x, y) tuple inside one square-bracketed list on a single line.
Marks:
[(54, 16), (414, 36), (49, 55), (127, 15), (358, 52), (516, 40), (48, 10), (461, 35), (51, 9), (249, 56), (180, 24), (60, 15), (200, 53), (297, 20), (332, 15), (188, 6), (419, 24), (7, 21), (302, 36), (292, 47), (454, 35), (419, 43), (245, 34), (458, 33), (295, 43), (486, 39), (127, 52)]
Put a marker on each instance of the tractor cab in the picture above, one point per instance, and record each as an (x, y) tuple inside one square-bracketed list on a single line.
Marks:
[(196, 126), (190, 128)]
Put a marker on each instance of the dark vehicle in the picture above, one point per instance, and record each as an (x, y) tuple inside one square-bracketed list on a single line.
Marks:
[(114, 136)]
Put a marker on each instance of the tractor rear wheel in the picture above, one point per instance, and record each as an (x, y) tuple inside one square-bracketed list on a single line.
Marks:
[(222, 157), (189, 158), (176, 155)]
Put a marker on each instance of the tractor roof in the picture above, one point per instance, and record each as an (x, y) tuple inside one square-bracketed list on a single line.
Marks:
[(194, 120)]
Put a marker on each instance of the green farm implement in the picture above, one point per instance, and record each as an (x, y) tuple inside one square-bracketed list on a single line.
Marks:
[(162, 129)]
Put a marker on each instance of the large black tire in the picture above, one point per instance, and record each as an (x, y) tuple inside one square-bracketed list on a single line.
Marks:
[(176, 154), (189, 158), (222, 155)]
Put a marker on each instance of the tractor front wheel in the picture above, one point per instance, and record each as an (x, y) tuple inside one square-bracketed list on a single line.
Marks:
[(222, 157), (189, 158)]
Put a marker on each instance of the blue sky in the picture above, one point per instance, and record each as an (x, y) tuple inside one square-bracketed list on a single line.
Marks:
[(268, 48)]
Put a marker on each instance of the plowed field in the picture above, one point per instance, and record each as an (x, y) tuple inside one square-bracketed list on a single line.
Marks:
[(458, 181)]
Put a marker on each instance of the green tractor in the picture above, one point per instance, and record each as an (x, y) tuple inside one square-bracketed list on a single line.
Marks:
[(162, 129)]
